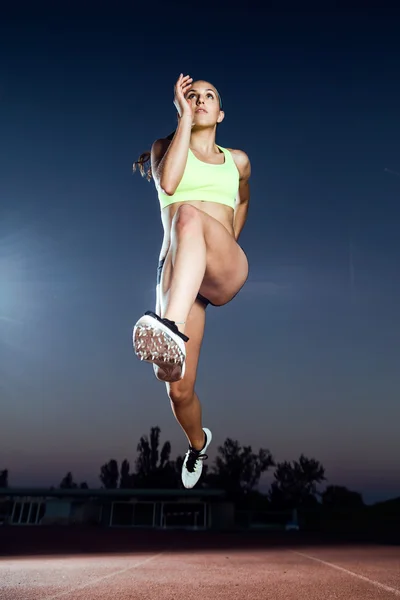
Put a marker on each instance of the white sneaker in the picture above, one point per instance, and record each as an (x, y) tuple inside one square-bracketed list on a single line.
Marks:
[(193, 464), (160, 342)]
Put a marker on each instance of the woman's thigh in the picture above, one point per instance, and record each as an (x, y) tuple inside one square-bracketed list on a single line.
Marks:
[(226, 264), (227, 267)]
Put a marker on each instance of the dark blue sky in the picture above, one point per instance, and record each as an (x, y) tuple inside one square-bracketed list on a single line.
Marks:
[(306, 358)]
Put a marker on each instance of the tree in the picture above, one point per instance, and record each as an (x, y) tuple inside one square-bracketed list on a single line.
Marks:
[(109, 474), (68, 482), (295, 484), (337, 496), (238, 470), (4, 478), (126, 478), (152, 468)]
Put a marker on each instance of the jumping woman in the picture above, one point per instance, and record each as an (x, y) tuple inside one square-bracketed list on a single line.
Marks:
[(203, 191)]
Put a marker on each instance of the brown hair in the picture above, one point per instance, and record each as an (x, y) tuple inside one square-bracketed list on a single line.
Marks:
[(144, 161)]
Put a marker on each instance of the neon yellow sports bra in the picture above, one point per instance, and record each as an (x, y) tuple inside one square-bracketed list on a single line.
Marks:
[(207, 182)]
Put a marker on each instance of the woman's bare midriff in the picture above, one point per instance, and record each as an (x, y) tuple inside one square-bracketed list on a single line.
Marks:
[(220, 212)]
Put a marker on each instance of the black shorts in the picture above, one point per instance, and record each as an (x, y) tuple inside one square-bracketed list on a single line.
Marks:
[(205, 302)]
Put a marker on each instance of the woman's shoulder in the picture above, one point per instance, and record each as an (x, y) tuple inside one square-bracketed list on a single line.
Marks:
[(160, 143), (241, 160), (159, 148)]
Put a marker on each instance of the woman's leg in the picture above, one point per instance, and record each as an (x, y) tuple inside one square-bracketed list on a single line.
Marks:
[(185, 403), (202, 256), (187, 259)]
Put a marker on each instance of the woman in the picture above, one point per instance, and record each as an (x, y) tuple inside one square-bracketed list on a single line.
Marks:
[(204, 195)]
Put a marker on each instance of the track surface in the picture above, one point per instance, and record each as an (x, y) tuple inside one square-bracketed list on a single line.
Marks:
[(127, 565)]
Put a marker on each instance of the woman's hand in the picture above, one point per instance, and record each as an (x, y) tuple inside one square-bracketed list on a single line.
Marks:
[(183, 106)]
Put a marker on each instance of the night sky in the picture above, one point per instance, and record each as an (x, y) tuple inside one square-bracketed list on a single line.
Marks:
[(306, 358)]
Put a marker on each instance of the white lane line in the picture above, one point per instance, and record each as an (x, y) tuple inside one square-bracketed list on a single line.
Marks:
[(99, 579), (381, 586)]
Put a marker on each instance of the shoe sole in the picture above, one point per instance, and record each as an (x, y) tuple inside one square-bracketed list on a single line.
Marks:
[(152, 343)]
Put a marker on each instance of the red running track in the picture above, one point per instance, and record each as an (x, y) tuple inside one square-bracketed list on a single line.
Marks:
[(177, 567)]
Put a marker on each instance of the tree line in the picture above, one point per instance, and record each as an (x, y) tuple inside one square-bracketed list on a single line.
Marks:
[(236, 469)]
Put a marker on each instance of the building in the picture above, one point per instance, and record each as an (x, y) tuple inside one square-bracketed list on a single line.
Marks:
[(189, 509)]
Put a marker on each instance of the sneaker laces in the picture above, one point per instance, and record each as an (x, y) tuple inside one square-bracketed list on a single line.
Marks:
[(193, 456)]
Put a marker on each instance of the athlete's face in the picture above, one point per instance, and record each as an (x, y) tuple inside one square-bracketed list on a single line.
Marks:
[(205, 103)]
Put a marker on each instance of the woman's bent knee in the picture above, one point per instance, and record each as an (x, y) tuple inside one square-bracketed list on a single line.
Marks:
[(180, 392), (187, 217)]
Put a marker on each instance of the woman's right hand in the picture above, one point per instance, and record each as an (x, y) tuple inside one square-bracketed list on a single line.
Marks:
[(182, 105)]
